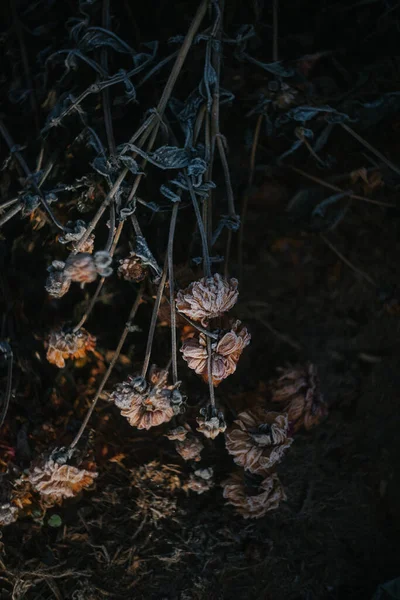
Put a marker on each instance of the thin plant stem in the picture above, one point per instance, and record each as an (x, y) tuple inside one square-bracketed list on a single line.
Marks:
[(246, 196), (209, 371), (154, 316), (347, 262), (170, 253), (275, 30), (111, 366), (374, 151), (7, 396), (338, 189), (200, 224)]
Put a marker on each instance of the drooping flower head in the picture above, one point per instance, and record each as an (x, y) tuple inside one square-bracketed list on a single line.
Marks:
[(226, 352), (253, 496), (84, 267), (148, 404), (57, 282), (63, 345), (211, 422), (208, 298), (132, 268), (201, 480), (258, 440), (297, 390)]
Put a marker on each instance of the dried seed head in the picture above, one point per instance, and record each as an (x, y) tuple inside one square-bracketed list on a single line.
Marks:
[(207, 298), (8, 514), (201, 481), (225, 353), (255, 497), (285, 97), (211, 423), (57, 283), (258, 440), (190, 448), (56, 482), (63, 345), (147, 405), (132, 268), (297, 390), (178, 433), (81, 268)]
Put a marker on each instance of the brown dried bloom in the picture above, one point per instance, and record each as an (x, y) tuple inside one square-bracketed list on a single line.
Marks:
[(57, 283), (132, 268), (178, 433), (76, 231), (147, 405), (225, 353), (58, 481), (81, 268), (207, 298), (201, 481), (253, 496), (298, 392), (63, 345), (259, 440), (211, 423), (8, 514), (190, 448)]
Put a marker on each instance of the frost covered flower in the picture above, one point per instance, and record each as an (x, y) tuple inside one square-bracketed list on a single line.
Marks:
[(297, 390), (211, 423), (57, 481), (132, 268), (8, 514), (76, 231), (147, 405), (84, 268), (225, 353), (201, 481), (207, 298), (253, 497), (190, 448), (258, 440), (178, 433), (58, 282), (63, 345)]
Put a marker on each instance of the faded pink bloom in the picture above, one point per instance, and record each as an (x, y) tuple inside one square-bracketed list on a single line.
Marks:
[(297, 390), (190, 448), (253, 498), (178, 433), (147, 405), (200, 481), (56, 481), (57, 282), (81, 268), (8, 514), (207, 298), (132, 268), (225, 353), (62, 345), (211, 423), (258, 440)]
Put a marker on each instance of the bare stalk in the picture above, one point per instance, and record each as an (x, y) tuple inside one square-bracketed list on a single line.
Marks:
[(170, 252), (7, 396), (107, 374), (347, 262)]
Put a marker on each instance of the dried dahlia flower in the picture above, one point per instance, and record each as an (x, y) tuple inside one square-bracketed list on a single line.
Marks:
[(132, 268), (225, 353), (63, 345), (297, 391), (207, 298), (190, 448), (178, 433), (57, 283), (259, 440), (201, 481), (8, 514), (77, 230), (211, 423), (57, 481), (147, 405), (84, 268), (253, 497)]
